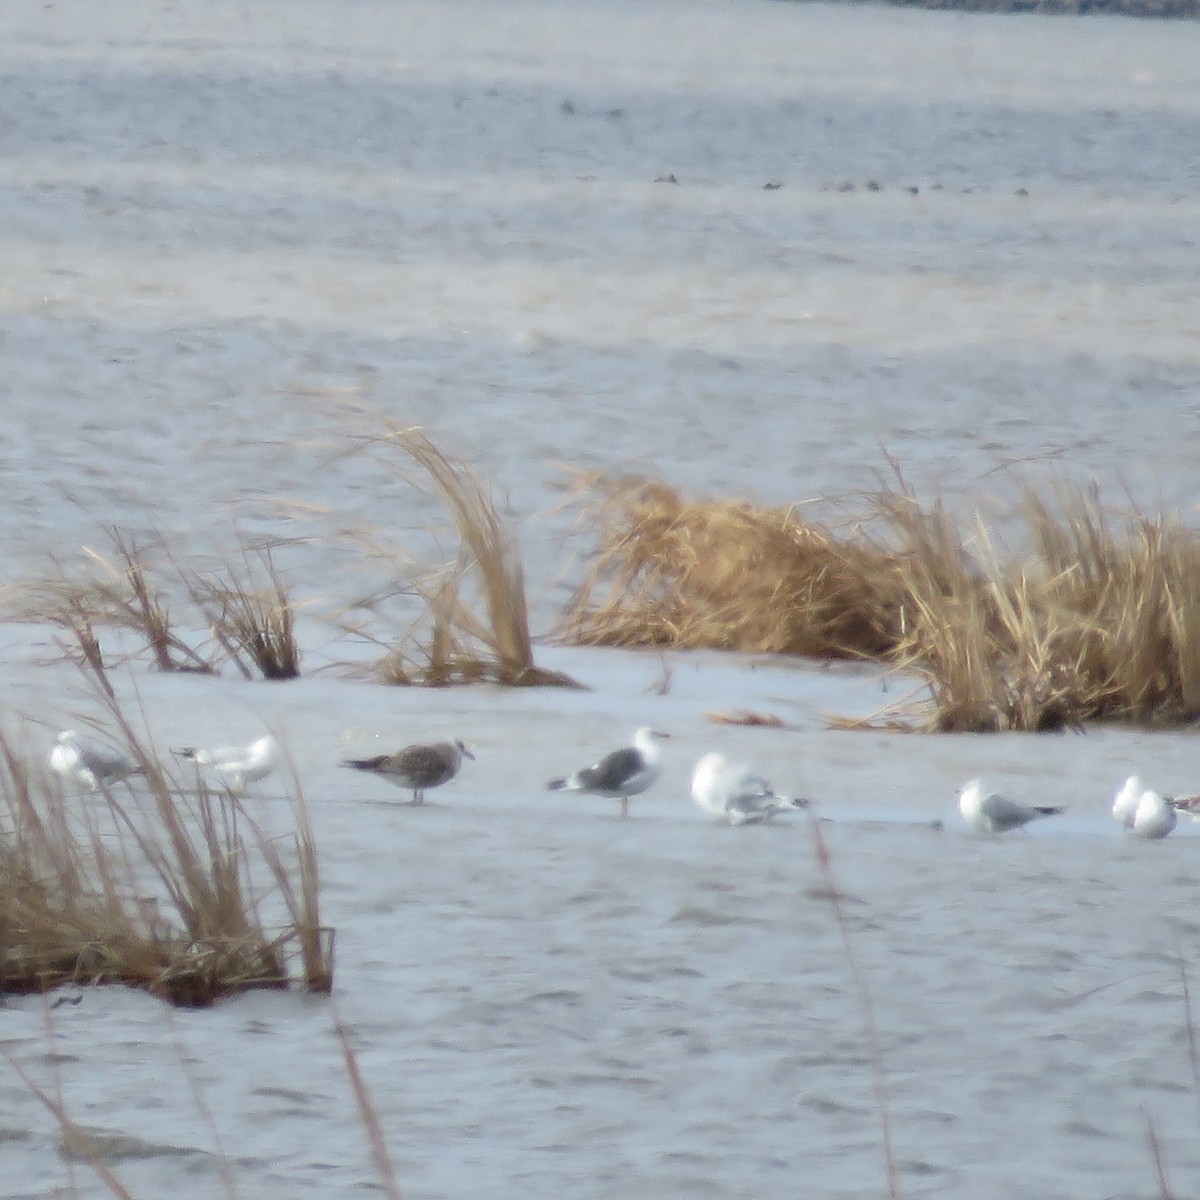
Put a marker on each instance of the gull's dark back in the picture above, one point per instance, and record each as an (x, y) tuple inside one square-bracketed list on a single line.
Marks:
[(612, 772)]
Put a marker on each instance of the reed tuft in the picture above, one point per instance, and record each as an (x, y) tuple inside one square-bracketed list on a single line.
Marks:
[(247, 604), (145, 886), (122, 588), (244, 600), (475, 625), (1097, 620), (723, 574)]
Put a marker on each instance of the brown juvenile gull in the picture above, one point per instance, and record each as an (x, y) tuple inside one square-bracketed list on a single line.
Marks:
[(621, 774), (422, 766)]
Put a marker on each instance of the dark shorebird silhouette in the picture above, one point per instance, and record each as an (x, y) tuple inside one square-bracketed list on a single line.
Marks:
[(621, 774), (419, 767), (990, 812)]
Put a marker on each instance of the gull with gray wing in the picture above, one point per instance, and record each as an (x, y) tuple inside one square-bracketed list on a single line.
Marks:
[(990, 812), (93, 766), (236, 765), (735, 795), (623, 773)]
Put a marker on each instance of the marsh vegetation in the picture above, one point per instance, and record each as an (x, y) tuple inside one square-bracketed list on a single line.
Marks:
[(1095, 618), (156, 882)]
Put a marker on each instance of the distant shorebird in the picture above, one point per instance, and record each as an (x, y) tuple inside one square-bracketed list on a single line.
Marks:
[(236, 765), (417, 767), (989, 812), (621, 774), (735, 795), (93, 766)]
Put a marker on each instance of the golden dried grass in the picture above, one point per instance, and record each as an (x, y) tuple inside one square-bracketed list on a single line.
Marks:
[(120, 587), (247, 605), (243, 600), (1098, 619), (723, 574), (147, 887), (475, 626)]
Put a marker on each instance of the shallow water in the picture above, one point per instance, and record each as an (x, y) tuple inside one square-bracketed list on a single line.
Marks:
[(219, 222)]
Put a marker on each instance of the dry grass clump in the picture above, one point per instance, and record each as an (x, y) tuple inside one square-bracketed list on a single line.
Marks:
[(122, 589), (1097, 619), (243, 601), (726, 575), (246, 603), (475, 625), (142, 886)]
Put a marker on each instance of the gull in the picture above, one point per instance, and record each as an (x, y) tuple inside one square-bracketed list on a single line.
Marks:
[(733, 794), (1186, 804), (989, 812), (621, 774), (93, 766), (236, 765), (1125, 803), (1154, 817), (421, 766)]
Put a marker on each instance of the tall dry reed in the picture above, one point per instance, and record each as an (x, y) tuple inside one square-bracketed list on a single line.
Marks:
[(121, 587), (475, 624), (1097, 618), (246, 603), (242, 598), (145, 886)]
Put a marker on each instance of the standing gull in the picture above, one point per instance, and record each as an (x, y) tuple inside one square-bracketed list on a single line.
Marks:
[(734, 794), (236, 765), (989, 812), (426, 765), (621, 774), (93, 766)]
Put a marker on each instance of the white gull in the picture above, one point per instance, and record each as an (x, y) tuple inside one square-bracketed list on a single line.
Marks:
[(1154, 817), (990, 812), (236, 765), (732, 793), (1125, 803)]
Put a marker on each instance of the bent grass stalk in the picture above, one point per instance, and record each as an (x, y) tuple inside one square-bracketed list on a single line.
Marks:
[(866, 1004), (476, 612), (244, 600)]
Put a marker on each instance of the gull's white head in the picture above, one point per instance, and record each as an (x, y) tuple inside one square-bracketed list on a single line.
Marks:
[(1125, 804)]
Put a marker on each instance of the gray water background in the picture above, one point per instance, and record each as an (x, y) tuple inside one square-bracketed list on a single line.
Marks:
[(221, 220)]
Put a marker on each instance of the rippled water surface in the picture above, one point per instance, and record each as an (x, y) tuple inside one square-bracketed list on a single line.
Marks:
[(221, 221)]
